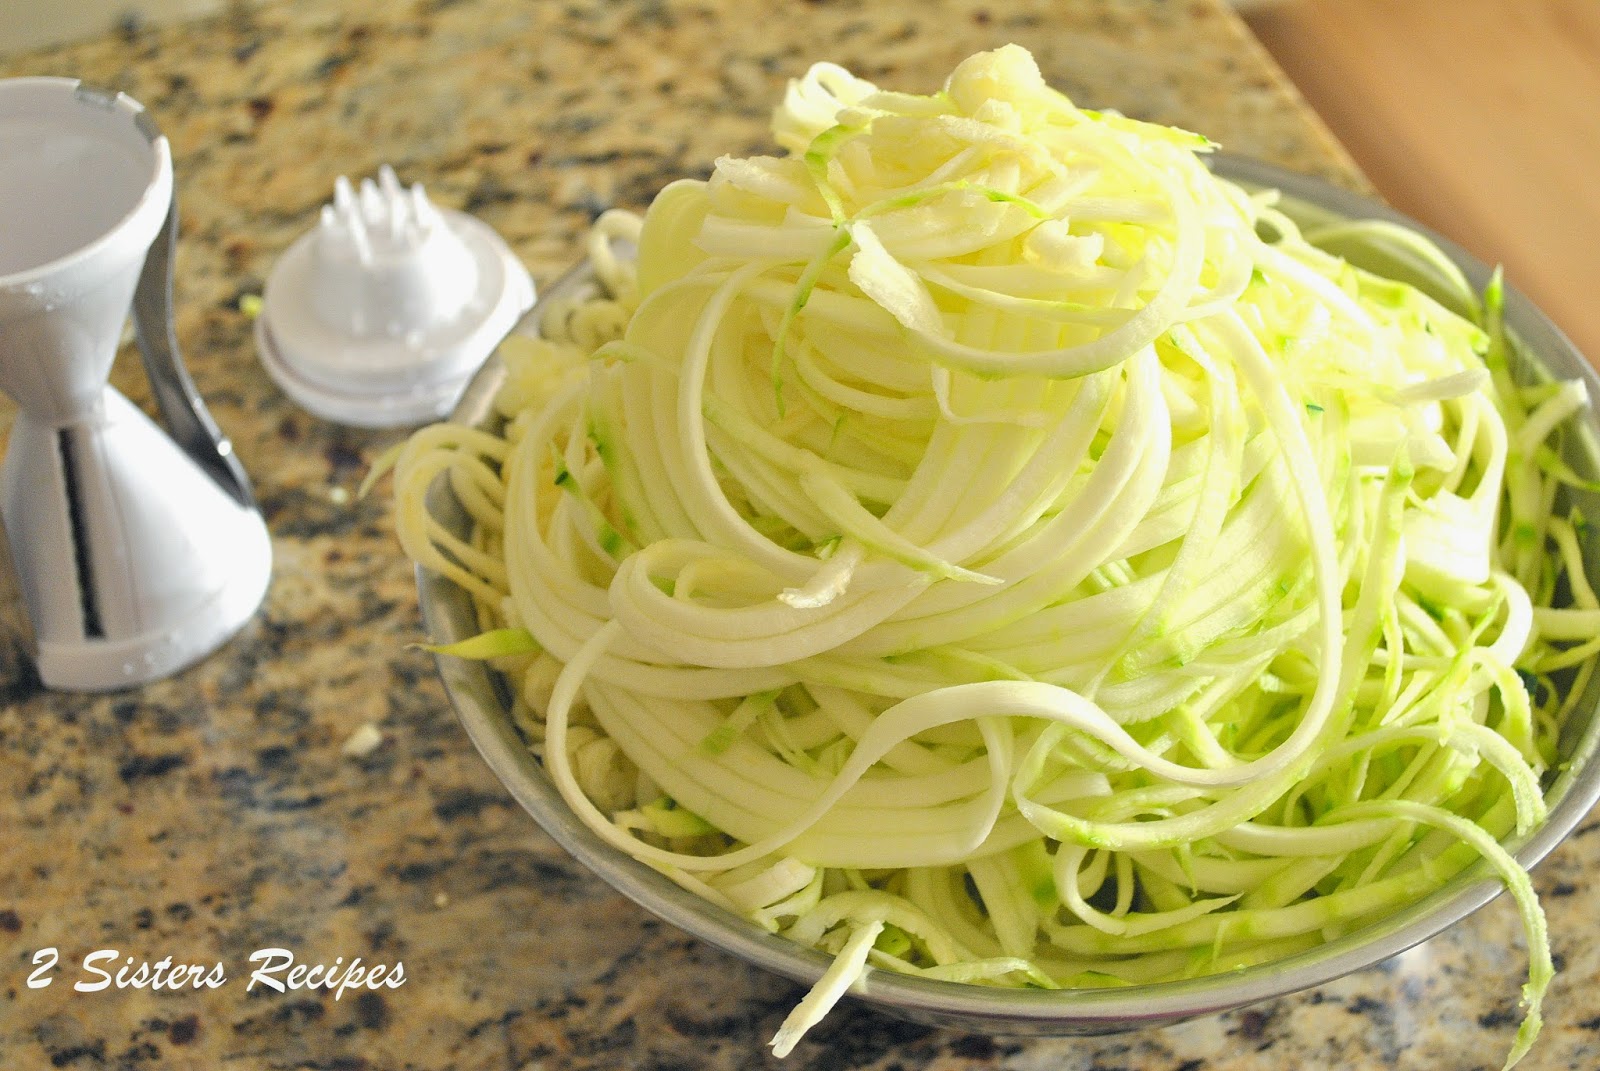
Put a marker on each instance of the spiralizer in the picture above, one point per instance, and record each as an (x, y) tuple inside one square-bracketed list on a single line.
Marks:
[(134, 550)]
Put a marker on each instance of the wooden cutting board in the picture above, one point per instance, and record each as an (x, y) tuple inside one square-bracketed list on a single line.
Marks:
[(1479, 117)]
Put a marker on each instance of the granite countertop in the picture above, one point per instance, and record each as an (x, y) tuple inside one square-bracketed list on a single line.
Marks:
[(213, 814)]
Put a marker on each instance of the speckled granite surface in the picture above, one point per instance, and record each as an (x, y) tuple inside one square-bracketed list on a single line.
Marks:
[(213, 814)]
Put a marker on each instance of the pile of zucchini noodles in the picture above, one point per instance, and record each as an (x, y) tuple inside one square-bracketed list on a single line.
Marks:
[(981, 544)]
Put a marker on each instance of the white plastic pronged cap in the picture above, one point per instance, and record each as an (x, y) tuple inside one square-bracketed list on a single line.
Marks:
[(380, 315)]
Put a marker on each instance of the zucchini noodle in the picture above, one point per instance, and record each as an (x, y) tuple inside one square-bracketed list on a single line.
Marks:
[(980, 543)]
